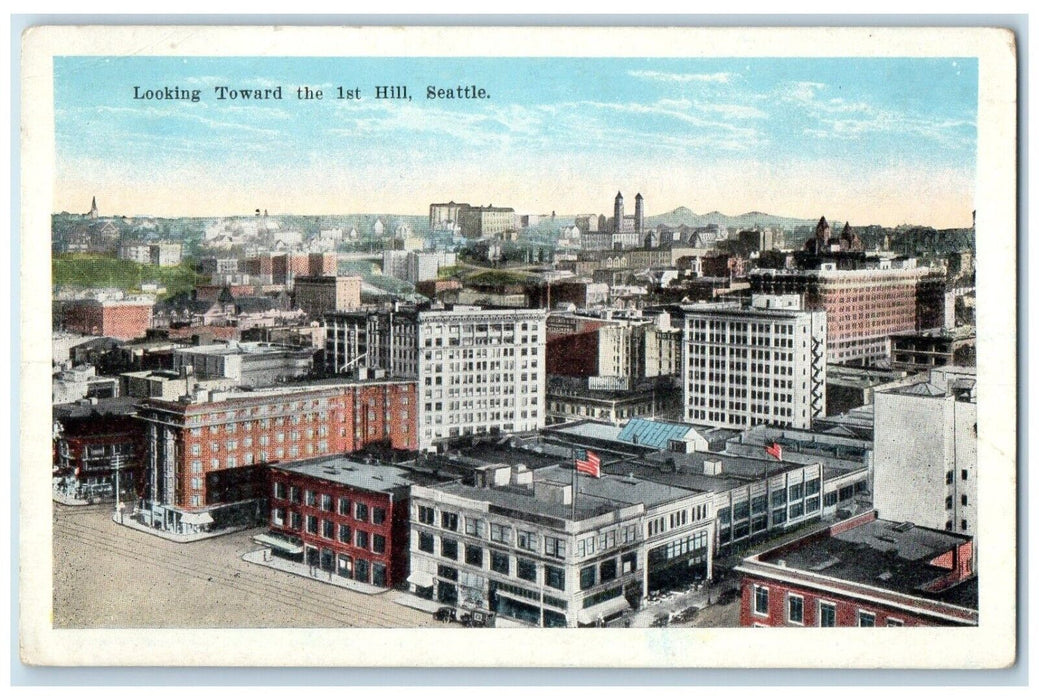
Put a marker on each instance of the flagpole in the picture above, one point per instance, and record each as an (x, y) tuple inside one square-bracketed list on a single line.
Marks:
[(573, 494)]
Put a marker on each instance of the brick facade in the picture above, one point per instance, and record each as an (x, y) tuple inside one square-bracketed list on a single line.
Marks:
[(357, 533), (211, 437), (115, 319)]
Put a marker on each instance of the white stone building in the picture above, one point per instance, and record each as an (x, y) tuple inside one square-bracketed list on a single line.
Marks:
[(762, 364)]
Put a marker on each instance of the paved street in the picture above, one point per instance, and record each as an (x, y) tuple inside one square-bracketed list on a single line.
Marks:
[(106, 575)]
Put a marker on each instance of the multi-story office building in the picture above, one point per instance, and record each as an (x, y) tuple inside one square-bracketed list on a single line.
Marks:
[(926, 451), (319, 295), (248, 364), (864, 306), (479, 371), (480, 222), (206, 454), (611, 399), (518, 544), (124, 320), (601, 345), (748, 365), (863, 572), (164, 254)]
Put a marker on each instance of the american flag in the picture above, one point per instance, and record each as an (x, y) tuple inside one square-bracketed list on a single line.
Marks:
[(775, 450), (588, 463)]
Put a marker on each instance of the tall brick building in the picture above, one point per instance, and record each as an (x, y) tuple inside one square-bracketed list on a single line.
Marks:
[(207, 454), (864, 306), (124, 320)]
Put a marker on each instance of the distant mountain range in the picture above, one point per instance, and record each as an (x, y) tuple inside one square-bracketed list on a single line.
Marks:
[(686, 216)]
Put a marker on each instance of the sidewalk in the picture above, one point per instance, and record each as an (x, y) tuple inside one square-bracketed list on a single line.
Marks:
[(409, 600), (130, 522), (67, 500), (414, 602), (259, 556)]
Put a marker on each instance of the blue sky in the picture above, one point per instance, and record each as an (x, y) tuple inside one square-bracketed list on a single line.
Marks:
[(872, 140)]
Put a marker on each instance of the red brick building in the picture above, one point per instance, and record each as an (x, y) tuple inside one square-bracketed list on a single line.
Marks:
[(211, 452), (863, 572), (94, 439), (124, 320), (283, 268), (348, 517), (863, 306), (572, 345)]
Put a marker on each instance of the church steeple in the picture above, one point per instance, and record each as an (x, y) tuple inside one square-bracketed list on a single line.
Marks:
[(93, 208)]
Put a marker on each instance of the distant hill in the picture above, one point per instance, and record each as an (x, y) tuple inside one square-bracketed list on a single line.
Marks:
[(686, 216)]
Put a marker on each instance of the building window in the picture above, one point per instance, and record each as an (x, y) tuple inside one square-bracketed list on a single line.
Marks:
[(344, 534), (426, 515), (447, 572), (948, 503), (963, 500), (361, 512), (309, 497), (473, 555), (608, 570), (555, 547), (425, 542), (449, 521), (295, 520), (827, 614), (501, 533), (526, 570), (361, 539), (378, 543), (629, 562), (278, 516), (894, 622), (474, 527), (587, 577), (449, 548), (500, 562), (867, 619), (326, 502), (963, 525), (378, 515), (760, 600), (555, 578), (279, 490), (328, 529), (312, 524), (795, 609)]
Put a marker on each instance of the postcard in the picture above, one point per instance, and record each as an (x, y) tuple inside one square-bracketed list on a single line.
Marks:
[(518, 347)]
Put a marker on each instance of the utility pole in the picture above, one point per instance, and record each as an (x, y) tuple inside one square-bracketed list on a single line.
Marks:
[(117, 464)]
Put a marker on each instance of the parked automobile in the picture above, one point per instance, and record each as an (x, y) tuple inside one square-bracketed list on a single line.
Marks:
[(445, 614)]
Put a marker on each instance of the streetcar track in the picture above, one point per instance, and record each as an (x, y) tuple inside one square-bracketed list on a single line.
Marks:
[(316, 603), (302, 598)]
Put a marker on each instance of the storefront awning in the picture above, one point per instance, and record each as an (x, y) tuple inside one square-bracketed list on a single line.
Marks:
[(422, 579), (282, 545), (196, 518), (591, 615)]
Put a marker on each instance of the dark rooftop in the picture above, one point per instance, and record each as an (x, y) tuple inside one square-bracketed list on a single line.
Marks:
[(884, 554)]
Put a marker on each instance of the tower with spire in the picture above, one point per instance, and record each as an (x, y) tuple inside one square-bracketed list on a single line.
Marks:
[(640, 214), (93, 208), (618, 213)]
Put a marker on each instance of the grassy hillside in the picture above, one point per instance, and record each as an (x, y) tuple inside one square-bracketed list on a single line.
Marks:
[(84, 270)]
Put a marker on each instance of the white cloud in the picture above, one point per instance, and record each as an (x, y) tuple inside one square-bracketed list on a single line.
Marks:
[(665, 77)]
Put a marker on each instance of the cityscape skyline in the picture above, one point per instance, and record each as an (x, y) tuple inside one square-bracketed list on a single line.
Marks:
[(838, 137)]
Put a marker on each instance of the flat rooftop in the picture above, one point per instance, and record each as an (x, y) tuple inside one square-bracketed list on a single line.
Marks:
[(242, 349), (594, 496), (884, 554), (382, 478)]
